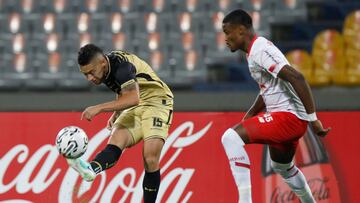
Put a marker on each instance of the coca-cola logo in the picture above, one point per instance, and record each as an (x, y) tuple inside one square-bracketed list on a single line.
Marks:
[(128, 179), (318, 187)]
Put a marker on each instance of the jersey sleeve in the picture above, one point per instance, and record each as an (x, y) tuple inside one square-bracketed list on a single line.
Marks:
[(272, 60), (125, 74)]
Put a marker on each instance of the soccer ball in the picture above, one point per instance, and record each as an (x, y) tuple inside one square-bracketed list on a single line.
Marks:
[(71, 142)]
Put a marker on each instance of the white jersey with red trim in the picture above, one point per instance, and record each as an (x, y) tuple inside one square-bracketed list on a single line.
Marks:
[(265, 61)]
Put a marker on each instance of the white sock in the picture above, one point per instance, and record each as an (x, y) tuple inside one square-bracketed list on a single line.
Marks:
[(239, 163), (295, 179)]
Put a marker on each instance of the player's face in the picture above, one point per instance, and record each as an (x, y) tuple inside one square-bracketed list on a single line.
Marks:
[(234, 36), (95, 70)]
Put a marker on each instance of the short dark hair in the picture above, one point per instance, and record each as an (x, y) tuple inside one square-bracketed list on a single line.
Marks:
[(87, 53), (238, 16)]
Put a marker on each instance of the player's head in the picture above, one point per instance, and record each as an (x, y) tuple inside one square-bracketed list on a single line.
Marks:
[(237, 26), (93, 63)]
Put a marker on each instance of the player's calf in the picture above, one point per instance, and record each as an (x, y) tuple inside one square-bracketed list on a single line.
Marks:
[(295, 179), (239, 163), (106, 158)]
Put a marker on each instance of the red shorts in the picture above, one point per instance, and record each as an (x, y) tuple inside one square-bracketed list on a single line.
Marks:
[(281, 130)]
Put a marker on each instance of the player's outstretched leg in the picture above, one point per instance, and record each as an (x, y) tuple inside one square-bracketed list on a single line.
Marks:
[(239, 163), (103, 160), (151, 154), (120, 138), (295, 179), (83, 168)]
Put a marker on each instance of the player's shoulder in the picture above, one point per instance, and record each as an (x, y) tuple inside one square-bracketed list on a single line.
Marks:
[(261, 43), (119, 55)]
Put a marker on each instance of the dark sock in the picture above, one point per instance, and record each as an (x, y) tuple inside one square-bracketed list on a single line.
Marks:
[(106, 158), (151, 185)]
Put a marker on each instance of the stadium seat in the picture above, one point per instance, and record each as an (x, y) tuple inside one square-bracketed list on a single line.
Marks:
[(18, 43), (15, 23), (119, 41), (217, 19), (59, 6), (117, 22), (224, 5), (185, 21), (352, 56), (159, 62), (328, 57), (257, 4), (188, 66), (156, 60), (27, 6), (351, 27), (328, 39), (85, 38), (17, 67), (302, 61), (261, 22), (290, 9), (188, 41), (48, 62), (83, 22), (351, 31), (191, 59), (153, 41), (94, 6), (129, 6), (187, 6), (256, 18), (49, 22), (158, 6), (156, 23)]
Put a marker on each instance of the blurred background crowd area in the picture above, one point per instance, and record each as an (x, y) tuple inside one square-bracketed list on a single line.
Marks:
[(181, 39)]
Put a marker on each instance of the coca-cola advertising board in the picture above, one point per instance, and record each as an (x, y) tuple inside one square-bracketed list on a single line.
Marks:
[(194, 167)]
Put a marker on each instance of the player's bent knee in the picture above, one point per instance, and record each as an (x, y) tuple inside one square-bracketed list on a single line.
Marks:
[(121, 138), (282, 169), (230, 137), (151, 163)]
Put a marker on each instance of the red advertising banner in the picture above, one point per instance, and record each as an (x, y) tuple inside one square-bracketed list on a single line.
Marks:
[(194, 167)]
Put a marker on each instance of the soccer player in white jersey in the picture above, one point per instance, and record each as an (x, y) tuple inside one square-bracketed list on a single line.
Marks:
[(288, 103)]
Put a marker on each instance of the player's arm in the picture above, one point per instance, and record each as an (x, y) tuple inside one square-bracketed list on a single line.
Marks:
[(129, 96), (302, 88), (257, 107), (113, 117)]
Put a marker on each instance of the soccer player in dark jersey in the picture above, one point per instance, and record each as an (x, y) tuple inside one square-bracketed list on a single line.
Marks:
[(287, 99), (142, 111)]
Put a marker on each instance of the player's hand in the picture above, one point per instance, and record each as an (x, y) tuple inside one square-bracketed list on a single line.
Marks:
[(111, 121), (319, 129), (90, 112)]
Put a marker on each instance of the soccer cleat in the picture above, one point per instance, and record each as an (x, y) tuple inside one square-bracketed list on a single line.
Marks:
[(83, 168)]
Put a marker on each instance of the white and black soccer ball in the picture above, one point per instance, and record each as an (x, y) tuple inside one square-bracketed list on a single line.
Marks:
[(71, 142)]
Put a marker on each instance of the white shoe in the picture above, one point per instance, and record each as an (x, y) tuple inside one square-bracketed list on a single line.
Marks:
[(83, 167)]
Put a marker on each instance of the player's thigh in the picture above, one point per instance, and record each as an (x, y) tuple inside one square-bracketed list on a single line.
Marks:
[(152, 150), (156, 122), (274, 128), (127, 127), (120, 137), (241, 131)]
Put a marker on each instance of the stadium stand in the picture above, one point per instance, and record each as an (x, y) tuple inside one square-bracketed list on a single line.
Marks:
[(182, 40)]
